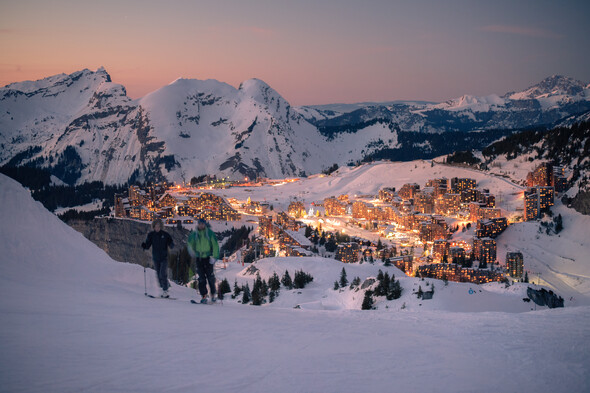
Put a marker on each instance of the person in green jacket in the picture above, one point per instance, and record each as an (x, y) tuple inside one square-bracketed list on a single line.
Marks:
[(203, 245)]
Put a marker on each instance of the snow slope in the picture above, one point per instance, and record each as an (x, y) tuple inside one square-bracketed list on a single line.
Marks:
[(74, 320)]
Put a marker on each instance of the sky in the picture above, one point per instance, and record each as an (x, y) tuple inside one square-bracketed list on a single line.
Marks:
[(311, 51)]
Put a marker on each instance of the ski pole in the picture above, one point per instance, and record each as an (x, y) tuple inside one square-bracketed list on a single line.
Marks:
[(144, 283)]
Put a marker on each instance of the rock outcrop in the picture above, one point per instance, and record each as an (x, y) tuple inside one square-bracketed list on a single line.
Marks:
[(121, 239)]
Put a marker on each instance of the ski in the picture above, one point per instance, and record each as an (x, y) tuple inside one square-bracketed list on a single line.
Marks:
[(208, 303), (158, 297)]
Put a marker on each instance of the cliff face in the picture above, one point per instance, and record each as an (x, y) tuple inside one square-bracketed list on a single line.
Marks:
[(121, 239)]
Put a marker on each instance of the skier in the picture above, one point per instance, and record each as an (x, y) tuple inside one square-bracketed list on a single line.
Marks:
[(159, 240), (203, 245)]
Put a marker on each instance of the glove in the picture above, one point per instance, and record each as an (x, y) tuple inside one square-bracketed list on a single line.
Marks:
[(144, 246), (212, 260)]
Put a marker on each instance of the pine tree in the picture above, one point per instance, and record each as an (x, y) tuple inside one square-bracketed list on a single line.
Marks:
[(237, 289), (367, 301), (336, 286), (380, 275), (395, 291), (224, 286), (274, 282), (264, 288), (286, 281), (271, 296), (343, 279), (256, 295), (331, 245), (379, 244), (246, 296), (558, 224), (526, 277), (420, 292)]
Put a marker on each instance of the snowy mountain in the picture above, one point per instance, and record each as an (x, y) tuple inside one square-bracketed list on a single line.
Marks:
[(211, 127), (545, 103), (75, 320), (83, 127)]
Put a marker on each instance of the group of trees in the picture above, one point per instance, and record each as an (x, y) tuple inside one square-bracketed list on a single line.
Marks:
[(235, 240), (387, 286), (555, 226), (38, 180), (261, 288)]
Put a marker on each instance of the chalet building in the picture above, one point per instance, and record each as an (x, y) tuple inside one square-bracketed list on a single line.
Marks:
[(121, 206), (185, 211), (440, 186), (491, 227), (455, 272), (479, 211), (404, 263), (424, 203), (514, 264), (440, 248), (408, 191), (457, 255), (294, 251), (167, 200), (458, 185), (447, 204), (432, 230), (531, 205), (296, 209), (387, 194), (470, 195), (542, 175), (484, 250), (537, 200), (287, 222), (253, 207), (335, 207), (295, 239), (348, 252), (488, 199)]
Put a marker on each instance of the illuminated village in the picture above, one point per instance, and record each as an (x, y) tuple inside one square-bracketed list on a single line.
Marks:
[(444, 229)]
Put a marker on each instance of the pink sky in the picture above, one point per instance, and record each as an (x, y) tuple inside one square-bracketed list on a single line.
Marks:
[(311, 52)]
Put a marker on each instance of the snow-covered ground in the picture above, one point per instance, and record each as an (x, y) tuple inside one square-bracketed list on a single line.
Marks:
[(75, 320)]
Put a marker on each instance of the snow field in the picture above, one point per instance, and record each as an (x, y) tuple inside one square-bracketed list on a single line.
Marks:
[(75, 320)]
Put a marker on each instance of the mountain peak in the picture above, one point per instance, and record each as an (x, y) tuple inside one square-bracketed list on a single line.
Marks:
[(553, 85), (259, 91)]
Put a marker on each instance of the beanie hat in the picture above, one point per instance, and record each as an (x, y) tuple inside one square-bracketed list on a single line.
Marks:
[(201, 221), (156, 222)]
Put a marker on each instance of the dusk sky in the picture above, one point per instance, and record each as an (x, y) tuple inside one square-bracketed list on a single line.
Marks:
[(311, 52)]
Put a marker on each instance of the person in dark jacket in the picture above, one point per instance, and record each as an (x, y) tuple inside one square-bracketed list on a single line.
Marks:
[(203, 246), (159, 241)]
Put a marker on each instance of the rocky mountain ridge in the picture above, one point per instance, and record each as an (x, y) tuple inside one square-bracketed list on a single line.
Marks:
[(84, 127)]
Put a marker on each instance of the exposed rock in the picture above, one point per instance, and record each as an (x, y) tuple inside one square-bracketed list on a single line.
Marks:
[(121, 239), (581, 202), (368, 282), (252, 270), (542, 297)]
